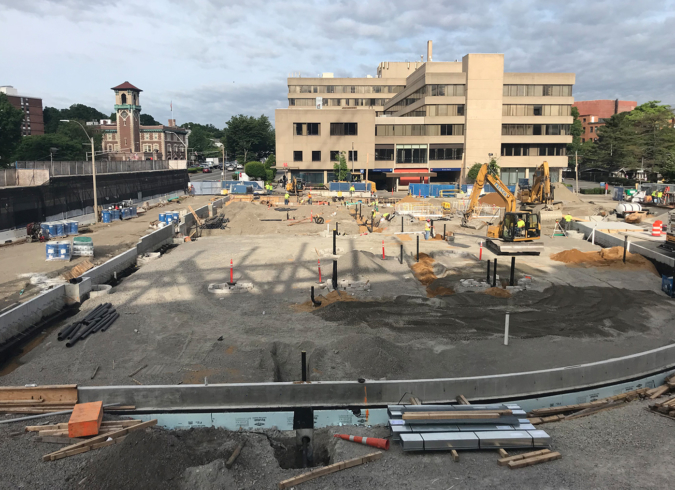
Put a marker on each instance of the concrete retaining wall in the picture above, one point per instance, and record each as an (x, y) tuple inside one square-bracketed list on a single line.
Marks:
[(188, 220), (16, 321), (154, 240), (104, 272), (353, 393)]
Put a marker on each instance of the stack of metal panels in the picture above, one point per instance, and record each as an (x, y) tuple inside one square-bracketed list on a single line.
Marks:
[(508, 431)]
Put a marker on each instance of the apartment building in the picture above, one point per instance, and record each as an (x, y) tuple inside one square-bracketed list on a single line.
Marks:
[(594, 112), (33, 122), (426, 121)]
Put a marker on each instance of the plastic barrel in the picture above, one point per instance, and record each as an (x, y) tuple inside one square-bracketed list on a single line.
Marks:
[(52, 228), (134, 211), (60, 231), (64, 249), (116, 214), (176, 215), (107, 216), (162, 217), (73, 228), (126, 213), (51, 250), (45, 229)]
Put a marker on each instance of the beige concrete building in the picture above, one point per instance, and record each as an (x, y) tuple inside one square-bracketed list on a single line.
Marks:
[(427, 121)]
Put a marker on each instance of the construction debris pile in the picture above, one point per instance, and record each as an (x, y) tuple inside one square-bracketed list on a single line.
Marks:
[(217, 222), (454, 427), (99, 319)]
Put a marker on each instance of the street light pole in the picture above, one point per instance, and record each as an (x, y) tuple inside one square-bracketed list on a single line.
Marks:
[(93, 167)]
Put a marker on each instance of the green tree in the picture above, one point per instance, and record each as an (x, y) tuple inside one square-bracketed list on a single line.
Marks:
[(210, 129), (247, 136), (10, 129), (38, 147), (652, 123), (51, 117), (255, 170), (493, 169), (270, 166), (575, 146), (80, 112), (146, 120), (201, 140), (340, 168)]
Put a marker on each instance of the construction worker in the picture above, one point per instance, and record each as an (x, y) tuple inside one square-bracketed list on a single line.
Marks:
[(377, 205), (309, 198), (427, 229), (386, 216), (568, 221), (659, 196), (521, 226), (286, 196), (351, 190), (654, 196)]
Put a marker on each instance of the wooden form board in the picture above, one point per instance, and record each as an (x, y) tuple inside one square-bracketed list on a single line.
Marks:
[(326, 470), (532, 461), (455, 414), (66, 394)]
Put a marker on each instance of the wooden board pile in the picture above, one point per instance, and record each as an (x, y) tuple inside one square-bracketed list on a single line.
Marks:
[(58, 433), (570, 412), (34, 400), (105, 439), (529, 459)]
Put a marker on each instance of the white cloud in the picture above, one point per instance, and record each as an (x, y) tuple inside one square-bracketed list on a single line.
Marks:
[(215, 58)]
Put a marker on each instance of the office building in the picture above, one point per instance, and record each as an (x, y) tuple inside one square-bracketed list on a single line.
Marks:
[(33, 122), (127, 139), (426, 121), (593, 113)]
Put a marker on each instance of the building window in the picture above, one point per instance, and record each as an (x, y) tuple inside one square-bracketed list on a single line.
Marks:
[(583, 140), (528, 149), (445, 152), (383, 154), (117, 147), (411, 153), (156, 147), (334, 155), (155, 136), (537, 91), (110, 147), (316, 156), (297, 156), (125, 142), (343, 129), (535, 129), (109, 136), (313, 129), (353, 156), (591, 129)]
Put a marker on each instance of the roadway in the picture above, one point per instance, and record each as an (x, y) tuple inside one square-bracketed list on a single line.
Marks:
[(213, 175)]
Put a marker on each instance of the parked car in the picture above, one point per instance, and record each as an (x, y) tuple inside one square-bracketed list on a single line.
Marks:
[(207, 170), (230, 168), (217, 167), (239, 166)]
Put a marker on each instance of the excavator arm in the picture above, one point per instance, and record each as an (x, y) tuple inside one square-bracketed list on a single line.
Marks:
[(541, 186), (499, 186)]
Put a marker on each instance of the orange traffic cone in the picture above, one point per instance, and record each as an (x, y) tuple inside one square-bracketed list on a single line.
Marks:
[(368, 441)]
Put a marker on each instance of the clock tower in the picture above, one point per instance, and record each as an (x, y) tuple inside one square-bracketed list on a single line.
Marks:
[(128, 109)]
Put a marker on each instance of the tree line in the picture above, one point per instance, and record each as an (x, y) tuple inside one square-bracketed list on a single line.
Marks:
[(245, 138), (641, 139)]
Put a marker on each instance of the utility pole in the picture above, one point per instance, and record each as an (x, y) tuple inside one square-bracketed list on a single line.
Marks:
[(93, 167), (222, 169), (576, 166)]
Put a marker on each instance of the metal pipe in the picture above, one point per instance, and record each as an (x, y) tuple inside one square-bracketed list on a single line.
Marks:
[(625, 247), (488, 272), (401, 260), (304, 365), (513, 271), (43, 415), (494, 275), (444, 235), (334, 274), (311, 295), (401, 224), (334, 242)]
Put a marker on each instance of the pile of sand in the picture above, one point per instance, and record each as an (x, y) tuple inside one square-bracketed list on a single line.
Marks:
[(492, 198), (607, 257), (409, 198), (329, 299), (497, 292), (424, 270), (439, 291), (562, 193)]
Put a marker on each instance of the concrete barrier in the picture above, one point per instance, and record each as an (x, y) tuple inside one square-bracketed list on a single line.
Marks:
[(154, 240), (380, 393), (188, 220), (15, 321), (104, 272)]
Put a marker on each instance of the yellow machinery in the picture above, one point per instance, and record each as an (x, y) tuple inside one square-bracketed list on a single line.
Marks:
[(507, 230), (540, 192), (295, 186)]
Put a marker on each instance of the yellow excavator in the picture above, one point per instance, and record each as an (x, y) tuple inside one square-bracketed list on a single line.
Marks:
[(295, 186), (514, 228), (540, 192)]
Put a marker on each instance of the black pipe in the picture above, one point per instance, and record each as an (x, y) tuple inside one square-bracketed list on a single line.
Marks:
[(433, 232), (401, 260), (334, 280), (444, 235), (81, 334), (513, 271), (110, 322), (494, 275), (286, 215), (418, 248), (102, 321), (311, 295), (334, 242), (488, 272), (337, 227), (304, 365), (401, 224), (625, 247), (74, 332), (64, 333)]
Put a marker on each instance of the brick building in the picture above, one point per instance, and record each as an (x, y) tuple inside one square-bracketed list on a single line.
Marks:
[(31, 107), (594, 112), (127, 139)]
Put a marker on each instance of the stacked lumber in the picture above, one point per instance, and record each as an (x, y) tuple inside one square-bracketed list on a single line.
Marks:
[(666, 408), (570, 412), (37, 399), (58, 433), (529, 459), (102, 440), (460, 415)]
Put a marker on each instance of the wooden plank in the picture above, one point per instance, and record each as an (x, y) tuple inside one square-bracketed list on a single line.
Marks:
[(462, 400), (660, 391), (5, 403), (415, 401), (56, 439), (532, 461), (199, 221), (539, 412), (503, 453), (64, 425), (291, 482), (78, 270), (49, 393), (101, 438), (507, 460), (455, 456), (454, 415), (235, 454), (592, 411)]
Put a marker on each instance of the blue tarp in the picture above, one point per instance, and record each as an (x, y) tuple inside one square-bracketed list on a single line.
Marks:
[(344, 186), (488, 188), (430, 190), (227, 183)]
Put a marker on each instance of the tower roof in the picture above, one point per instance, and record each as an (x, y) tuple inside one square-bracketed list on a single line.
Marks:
[(126, 86)]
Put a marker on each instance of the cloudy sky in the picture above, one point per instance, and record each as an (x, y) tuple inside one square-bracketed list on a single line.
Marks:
[(215, 58)]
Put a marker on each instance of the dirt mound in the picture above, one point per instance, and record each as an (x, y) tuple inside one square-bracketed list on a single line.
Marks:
[(404, 238), (439, 291), (329, 299), (607, 257), (409, 198), (497, 292), (424, 270), (492, 198), (562, 193)]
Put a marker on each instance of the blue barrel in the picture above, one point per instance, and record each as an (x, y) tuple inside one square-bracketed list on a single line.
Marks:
[(107, 216), (162, 217), (134, 211), (168, 219), (64, 249), (52, 228), (45, 229), (60, 230), (126, 213), (73, 227), (116, 214), (52, 250), (176, 216)]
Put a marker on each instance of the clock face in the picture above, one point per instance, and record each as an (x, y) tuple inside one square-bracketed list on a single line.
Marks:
[(124, 114)]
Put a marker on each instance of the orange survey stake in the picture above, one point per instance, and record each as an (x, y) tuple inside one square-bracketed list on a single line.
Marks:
[(85, 419)]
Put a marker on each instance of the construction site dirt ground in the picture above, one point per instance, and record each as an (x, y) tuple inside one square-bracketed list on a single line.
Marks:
[(398, 327), (628, 447), (109, 240)]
